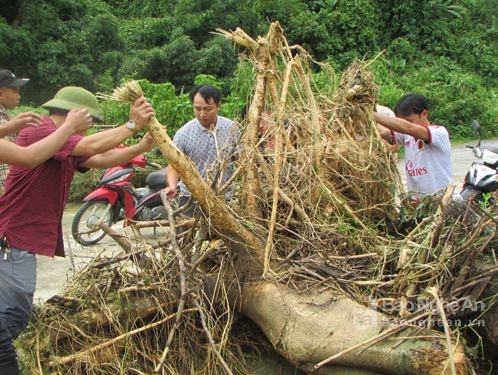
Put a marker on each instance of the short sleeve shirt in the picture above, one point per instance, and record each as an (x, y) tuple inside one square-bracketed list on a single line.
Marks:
[(427, 164), (34, 201), (208, 149)]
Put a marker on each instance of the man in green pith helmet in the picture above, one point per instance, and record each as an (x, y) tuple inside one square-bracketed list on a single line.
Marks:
[(33, 203)]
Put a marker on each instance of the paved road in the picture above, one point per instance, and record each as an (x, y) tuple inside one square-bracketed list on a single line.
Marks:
[(52, 273)]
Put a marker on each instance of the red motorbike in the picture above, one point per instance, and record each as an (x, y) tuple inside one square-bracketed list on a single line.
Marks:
[(116, 199)]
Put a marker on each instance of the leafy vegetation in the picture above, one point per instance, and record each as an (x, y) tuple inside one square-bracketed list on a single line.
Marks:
[(444, 49)]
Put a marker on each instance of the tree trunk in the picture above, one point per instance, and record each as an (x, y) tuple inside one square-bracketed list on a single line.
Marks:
[(309, 328)]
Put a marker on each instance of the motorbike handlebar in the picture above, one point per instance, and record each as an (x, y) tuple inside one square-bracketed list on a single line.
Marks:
[(152, 164), (477, 152)]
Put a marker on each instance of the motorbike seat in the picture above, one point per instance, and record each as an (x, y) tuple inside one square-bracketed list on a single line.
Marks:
[(490, 157), (156, 180), (493, 149)]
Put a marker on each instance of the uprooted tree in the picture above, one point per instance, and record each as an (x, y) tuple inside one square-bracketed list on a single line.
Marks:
[(309, 248)]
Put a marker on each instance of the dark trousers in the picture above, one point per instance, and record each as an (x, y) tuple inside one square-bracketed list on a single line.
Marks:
[(17, 286), (8, 358)]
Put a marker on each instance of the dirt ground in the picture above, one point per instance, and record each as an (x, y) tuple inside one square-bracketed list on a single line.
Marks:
[(53, 272)]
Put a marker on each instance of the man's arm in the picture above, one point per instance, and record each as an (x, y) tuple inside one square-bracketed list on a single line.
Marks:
[(77, 120), (384, 132), (18, 122), (172, 178), (98, 143), (402, 126), (119, 156)]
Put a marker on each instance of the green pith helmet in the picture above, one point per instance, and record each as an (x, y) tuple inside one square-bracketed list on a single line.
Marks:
[(72, 97)]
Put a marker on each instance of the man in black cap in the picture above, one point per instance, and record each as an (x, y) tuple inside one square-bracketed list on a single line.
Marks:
[(9, 99), (9, 79)]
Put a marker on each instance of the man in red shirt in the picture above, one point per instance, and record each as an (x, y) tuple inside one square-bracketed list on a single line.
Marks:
[(32, 206)]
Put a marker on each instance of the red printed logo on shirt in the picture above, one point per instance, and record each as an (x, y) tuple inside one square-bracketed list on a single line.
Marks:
[(413, 172)]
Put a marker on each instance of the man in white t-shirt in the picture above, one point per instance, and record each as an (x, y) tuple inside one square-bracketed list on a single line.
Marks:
[(427, 146)]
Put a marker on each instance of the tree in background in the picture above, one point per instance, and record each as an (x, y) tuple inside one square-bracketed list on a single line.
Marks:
[(446, 50)]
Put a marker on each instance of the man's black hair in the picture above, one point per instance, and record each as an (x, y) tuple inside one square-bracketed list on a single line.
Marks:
[(57, 111), (207, 92), (411, 103)]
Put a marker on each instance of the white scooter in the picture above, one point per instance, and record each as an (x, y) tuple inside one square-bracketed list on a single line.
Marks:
[(482, 177)]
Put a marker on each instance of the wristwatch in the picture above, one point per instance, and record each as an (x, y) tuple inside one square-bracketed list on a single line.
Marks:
[(130, 125)]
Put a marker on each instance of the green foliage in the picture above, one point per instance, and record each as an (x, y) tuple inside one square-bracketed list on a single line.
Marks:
[(342, 30), (114, 112), (141, 9), (63, 43), (462, 30), (141, 33), (15, 46), (207, 79), (326, 81), (445, 49), (171, 110), (26, 108), (216, 57), (84, 183), (242, 83)]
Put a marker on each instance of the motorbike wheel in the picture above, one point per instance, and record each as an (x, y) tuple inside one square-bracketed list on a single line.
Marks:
[(85, 227)]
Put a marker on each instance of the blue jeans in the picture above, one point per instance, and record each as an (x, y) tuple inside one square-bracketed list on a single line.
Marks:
[(17, 286)]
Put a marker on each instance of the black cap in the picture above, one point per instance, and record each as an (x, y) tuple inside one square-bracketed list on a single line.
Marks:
[(9, 79)]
